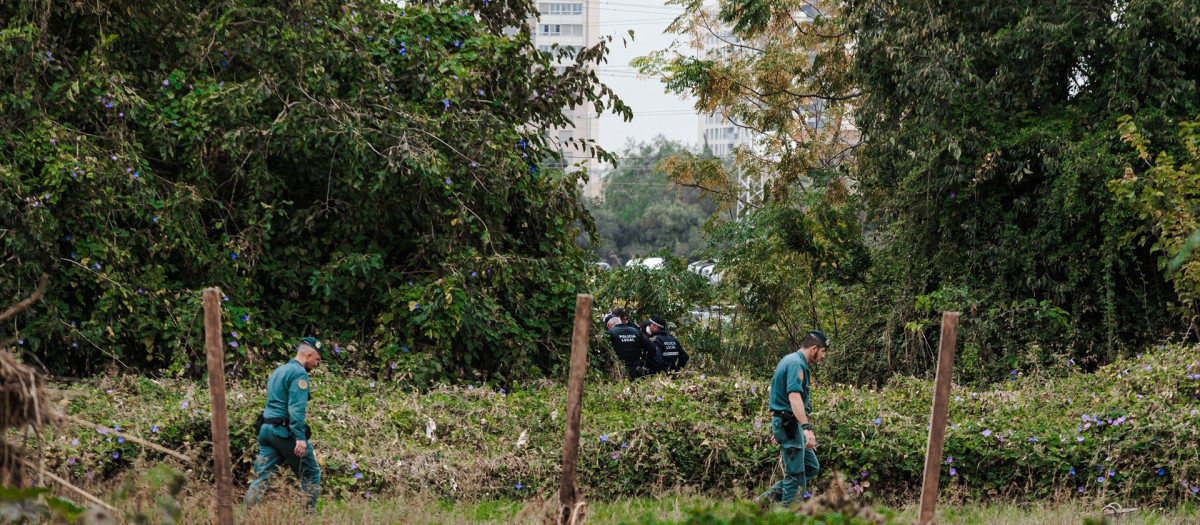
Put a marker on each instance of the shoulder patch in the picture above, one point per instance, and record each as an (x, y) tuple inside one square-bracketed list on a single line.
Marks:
[(800, 374), (302, 384)]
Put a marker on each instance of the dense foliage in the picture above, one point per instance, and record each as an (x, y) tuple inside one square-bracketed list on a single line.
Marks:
[(1166, 196), (989, 137), (366, 173), (1127, 433), (643, 211), (990, 133)]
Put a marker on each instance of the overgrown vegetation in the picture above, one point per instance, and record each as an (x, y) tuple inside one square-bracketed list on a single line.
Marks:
[(1127, 433), (367, 173), (989, 133)]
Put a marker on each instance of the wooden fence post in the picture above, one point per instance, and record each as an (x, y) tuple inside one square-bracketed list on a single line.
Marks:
[(214, 345), (937, 421), (568, 491)]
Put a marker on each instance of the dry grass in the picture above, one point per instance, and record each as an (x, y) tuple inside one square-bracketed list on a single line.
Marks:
[(285, 505), (1066, 514)]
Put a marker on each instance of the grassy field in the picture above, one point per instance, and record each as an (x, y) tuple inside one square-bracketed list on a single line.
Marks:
[(285, 508), (1048, 446)]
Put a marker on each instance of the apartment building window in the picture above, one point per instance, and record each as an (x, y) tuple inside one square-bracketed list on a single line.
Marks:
[(560, 30), (571, 50), (561, 8)]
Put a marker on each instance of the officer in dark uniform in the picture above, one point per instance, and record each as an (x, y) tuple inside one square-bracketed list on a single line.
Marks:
[(630, 346), (284, 433), (669, 353)]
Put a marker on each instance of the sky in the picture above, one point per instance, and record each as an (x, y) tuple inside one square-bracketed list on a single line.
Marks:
[(655, 111)]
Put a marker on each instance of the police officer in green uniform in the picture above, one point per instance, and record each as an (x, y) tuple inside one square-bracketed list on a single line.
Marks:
[(284, 433), (791, 403)]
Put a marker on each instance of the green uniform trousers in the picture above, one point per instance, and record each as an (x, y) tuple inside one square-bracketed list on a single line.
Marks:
[(800, 464), (271, 449)]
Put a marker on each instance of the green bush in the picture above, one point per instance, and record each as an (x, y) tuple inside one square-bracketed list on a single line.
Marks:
[(368, 174), (1027, 439)]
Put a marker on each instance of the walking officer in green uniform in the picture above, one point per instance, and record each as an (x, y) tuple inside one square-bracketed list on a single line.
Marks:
[(284, 433), (791, 403)]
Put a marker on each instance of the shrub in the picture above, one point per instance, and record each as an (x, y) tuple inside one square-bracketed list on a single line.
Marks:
[(1030, 438)]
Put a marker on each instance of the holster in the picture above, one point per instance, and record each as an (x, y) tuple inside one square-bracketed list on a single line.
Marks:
[(279, 422), (789, 422)]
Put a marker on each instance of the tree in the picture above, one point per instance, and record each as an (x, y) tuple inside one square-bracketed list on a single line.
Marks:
[(1166, 197), (371, 174), (778, 69), (643, 211), (989, 136)]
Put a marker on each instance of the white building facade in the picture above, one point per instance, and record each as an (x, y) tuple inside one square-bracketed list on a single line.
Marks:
[(573, 25)]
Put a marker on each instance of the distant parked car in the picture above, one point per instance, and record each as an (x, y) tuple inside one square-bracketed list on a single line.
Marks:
[(653, 263), (707, 269)]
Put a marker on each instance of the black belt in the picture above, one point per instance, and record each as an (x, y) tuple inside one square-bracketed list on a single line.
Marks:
[(277, 421), (789, 422)]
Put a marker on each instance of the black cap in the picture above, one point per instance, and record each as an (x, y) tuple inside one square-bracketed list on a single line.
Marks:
[(824, 340), (658, 321)]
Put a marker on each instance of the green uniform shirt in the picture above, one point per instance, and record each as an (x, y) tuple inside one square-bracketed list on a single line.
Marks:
[(287, 396), (791, 375)]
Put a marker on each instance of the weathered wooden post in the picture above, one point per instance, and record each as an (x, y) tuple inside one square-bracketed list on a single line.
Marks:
[(213, 344), (568, 491), (937, 421)]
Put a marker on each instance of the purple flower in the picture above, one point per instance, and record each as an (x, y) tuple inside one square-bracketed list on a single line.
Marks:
[(233, 344), (1072, 471), (234, 334), (165, 83), (233, 255), (448, 180), (949, 460), (75, 442), (1100, 479), (878, 420), (358, 475), (1081, 490), (1162, 472), (120, 440), (864, 473), (604, 439), (520, 486), (52, 141), (245, 318), (116, 455), (1079, 439), (987, 433), (615, 456), (953, 472), (154, 428), (807, 494)]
